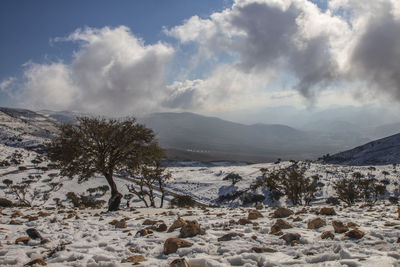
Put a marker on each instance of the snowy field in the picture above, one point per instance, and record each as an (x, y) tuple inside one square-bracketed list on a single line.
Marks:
[(85, 237)]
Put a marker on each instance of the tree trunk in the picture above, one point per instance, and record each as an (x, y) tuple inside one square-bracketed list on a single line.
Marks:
[(115, 200)]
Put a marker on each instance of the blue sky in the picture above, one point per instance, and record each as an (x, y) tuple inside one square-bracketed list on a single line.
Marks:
[(217, 57)]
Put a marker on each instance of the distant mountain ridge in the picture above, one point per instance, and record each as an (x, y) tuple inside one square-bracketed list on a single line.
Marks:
[(380, 152)]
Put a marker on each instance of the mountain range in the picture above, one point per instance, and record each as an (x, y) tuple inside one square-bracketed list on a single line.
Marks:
[(189, 136)]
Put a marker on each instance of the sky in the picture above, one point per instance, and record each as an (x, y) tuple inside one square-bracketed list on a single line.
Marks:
[(245, 60)]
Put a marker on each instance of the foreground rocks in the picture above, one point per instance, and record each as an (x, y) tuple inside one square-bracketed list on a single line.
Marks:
[(172, 244), (282, 212), (316, 223), (190, 229), (339, 227)]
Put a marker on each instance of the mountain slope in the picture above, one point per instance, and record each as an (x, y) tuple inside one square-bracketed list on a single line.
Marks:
[(379, 152)]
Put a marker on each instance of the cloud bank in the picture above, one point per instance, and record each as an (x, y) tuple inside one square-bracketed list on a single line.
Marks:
[(113, 72), (257, 53)]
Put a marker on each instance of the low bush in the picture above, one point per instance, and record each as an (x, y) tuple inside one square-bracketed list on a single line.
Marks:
[(182, 201)]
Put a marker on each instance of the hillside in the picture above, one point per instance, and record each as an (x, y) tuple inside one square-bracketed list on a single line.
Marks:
[(379, 152)]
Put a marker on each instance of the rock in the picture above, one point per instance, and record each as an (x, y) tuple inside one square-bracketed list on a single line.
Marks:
[(259, 207), (327, 234), (297, 219), (290, 237), (33, 218), (339, 227), (327, 211), (149, 222), (302, 211), (44, 214), (172, 244), (192, 228), (352, 225), (144, 232), (121, 224), (135, 259), (113, 222), (177, 224), (263, 250), (161, 227), (44, 241), (278, 226), (229, 236), (282, 212), (316, 223), (398, 240), (243, 221), (5, 203), (36, 262), (15, 222), (16, 214), (33, 233), (254, 214), (23, 239), (179, 263), (355, 233)]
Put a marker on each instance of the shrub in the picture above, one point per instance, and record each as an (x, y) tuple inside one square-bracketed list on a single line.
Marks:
[(394, 200), (182, 201), (347, 190), (333, 201), (233, 177), (251, 198), (292, 183), (88, 202)]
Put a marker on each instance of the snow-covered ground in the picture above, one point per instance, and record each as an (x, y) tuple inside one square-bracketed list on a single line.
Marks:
[(84, 237)]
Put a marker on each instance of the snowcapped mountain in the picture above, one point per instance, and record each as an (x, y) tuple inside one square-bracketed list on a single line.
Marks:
[(379, 152)]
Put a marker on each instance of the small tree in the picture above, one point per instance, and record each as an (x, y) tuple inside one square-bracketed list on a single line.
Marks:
[(149, 177), (347, 190), (104, 146), (233, 177)]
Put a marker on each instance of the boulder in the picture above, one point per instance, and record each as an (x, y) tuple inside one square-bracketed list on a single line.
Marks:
[(23, 239), (244, 221), (179, 263), (144, 232), (316, 223), (192, 228), (149, 222), (135, 259), (355, 233), (15, 222), (278, 226), (121, 224), (160, 227), (172, 244), (5, 203), (33, 233), (327, 211), (339, 227), (282, 212), (229, 236), (290, 238), (254, 214), (327, 234), (263, 250), (36, 262), (177, 224)]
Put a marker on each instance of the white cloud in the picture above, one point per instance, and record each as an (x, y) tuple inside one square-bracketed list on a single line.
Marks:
[(6, 83), (113, 72), (298, 46)]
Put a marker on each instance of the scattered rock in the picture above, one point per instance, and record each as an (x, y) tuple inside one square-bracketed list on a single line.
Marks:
[(290, 237), (33, 218), (5, 203), (172, 244), (16, 214), (229, 236), (278, 226), (244, 221), (254, 214), (352, 225), (316, 223), (23, 239), (144, 232), (177, 224), (355, 233), (327, 211), (15, 222), (33, 233), (302, 211), (121, 224), (282, 212), (44, 214), (179, 263), (339, 227), (263, 250), (327, 234), (149, 222), (44, 241), (135, 259), (192, 228), (160, 227), (36, 262)]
